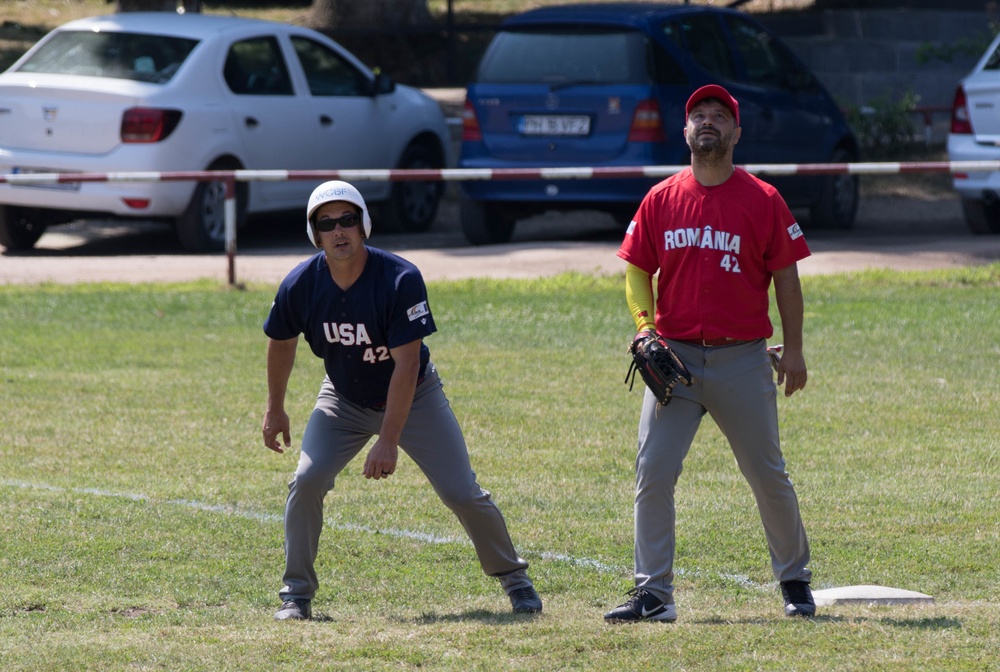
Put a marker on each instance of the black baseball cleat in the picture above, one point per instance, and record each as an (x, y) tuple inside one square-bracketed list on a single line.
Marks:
[(798, 598), (294, 610), (643, 606), (525, 600)]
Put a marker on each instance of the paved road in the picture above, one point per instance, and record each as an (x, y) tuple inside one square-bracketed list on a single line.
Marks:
[(897, 233)]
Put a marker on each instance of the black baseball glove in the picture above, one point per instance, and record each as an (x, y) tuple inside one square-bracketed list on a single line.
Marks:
[(659, 367)]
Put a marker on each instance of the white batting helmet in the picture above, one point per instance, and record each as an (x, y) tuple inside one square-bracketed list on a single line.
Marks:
[(336, 190)]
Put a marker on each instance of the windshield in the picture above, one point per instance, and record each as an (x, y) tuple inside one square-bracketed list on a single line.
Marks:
[(141, 57), (566, 56)]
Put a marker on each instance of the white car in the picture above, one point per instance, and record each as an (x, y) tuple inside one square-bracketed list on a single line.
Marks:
[(177, 92), (975, 136)]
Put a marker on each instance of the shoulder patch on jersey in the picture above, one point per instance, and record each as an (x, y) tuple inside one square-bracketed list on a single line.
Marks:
[(631, 228), (794, 231), (418, 311)]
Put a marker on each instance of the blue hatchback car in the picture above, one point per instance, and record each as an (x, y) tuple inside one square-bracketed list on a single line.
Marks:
[(604, 85)]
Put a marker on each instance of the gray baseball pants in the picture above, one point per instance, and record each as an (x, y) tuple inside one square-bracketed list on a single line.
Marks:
[(734, 384), (336, 433)]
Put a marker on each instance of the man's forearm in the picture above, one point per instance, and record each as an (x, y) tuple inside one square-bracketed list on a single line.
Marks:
[(280, 362), (399, 399), (402, 385), (788, 296), (639, 295)]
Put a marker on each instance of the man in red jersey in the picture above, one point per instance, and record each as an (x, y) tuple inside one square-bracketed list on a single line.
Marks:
[(716, 236)]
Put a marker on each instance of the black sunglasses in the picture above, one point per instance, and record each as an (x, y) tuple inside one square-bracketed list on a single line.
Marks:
[(347, 221)]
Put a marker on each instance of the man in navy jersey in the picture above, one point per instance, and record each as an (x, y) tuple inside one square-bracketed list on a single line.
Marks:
[(364, 312)]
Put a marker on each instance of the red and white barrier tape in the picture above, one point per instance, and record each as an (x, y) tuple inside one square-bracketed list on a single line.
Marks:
[(467, 174)]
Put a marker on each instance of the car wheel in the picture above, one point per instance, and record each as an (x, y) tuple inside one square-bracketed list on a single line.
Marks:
[(485, 223), (19, 228), (202, 227), (838, 203), (412, 206), (982, 217)]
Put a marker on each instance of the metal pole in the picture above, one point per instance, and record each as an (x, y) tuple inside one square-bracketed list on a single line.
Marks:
[(230, 214), (451, 42)]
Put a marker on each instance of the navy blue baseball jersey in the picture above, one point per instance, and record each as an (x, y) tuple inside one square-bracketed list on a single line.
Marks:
[(352, 331)]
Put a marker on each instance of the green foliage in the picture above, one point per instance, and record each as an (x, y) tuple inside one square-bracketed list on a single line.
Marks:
[(884, 127), (963, 47), (140, 516)]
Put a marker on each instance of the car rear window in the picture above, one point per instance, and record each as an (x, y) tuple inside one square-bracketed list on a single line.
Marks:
[(137, 56), (566, 56)]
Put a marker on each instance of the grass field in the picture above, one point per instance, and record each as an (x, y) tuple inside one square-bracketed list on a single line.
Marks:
[(140, 516)]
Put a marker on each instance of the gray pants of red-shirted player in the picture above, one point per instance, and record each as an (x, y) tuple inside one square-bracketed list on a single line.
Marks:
[(734, 384)]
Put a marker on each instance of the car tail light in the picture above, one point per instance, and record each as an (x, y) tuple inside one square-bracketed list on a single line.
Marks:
[(143, 124), (471, 132), (136, 203), (646, 123), (960, 121)]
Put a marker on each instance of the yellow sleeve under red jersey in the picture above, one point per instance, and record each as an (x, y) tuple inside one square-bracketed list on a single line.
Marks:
[(639, 295)]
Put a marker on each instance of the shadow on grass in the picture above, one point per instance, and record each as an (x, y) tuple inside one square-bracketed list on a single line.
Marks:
[(481, 615), (930, 624), (940, 623)]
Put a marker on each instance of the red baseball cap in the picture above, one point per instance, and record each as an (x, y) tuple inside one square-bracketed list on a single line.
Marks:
[(714, 91)]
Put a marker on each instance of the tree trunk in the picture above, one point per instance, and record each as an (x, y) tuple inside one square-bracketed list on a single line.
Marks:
[(397, 37), (146, 6), (190, 6), (369, 14)]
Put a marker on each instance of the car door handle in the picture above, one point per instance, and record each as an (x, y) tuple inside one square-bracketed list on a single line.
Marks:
[(324, 120), (251, 122)]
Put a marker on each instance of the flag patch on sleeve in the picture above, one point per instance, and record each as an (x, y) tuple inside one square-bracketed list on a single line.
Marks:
[(418, 311)]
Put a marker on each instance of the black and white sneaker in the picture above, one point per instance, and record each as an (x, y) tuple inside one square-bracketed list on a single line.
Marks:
[(643, 606), (798, 598), (294, 610), (525, 600)]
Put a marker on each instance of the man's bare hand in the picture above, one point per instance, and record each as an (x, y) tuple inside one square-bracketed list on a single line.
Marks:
[(276, 423), (381, 460)]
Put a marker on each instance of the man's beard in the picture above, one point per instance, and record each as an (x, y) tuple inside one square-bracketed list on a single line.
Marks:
[(711, 147)]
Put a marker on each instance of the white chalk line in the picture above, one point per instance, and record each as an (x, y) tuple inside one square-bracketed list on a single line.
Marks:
[(424, 537)]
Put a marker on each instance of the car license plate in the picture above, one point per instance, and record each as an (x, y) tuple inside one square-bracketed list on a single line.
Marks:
[(65, 186), (555, 124)]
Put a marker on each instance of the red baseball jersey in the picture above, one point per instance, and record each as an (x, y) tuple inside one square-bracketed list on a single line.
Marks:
[(714, 249)]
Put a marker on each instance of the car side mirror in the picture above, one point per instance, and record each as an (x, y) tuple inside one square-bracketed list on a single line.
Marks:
[(382, 84)]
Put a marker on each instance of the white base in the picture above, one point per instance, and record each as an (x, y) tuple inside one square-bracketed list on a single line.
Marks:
[(869, 595)]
